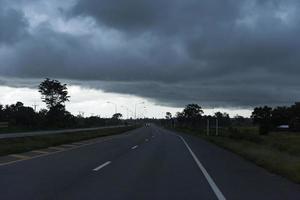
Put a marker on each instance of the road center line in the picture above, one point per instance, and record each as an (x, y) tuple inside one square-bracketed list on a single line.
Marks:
[(209, 179), (134, 147), (101, 166)]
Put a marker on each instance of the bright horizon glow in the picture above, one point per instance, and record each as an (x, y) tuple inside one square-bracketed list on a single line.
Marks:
[(94, 102)]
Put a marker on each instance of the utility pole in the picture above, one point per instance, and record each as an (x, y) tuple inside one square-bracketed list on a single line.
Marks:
[(127, 111), (145, 112), (127, 116), (135, 108), (217, 127), (35, 106), (135, 105)]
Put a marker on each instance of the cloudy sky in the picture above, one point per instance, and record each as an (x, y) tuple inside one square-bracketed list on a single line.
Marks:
[(222, 54)]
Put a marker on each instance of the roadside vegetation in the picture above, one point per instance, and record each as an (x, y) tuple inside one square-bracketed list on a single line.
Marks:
[(24, 144), (277, 150), (18, 117)]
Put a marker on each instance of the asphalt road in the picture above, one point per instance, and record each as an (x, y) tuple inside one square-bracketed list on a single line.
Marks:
[(147, 164), (50, 132)]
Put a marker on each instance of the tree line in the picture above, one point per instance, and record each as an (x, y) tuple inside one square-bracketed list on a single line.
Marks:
[(266, 118), (54, 94), (192, 117)]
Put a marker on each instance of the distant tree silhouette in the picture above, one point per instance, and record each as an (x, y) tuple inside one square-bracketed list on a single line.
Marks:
[(94, 121), (2, 117), (190, 116), (18, 115), (168, 115), (281, 116), (56, 116), (180, 118), (223, 119), (54, 94), (238, 120), (262, 116), (43, 112), (295, 116), (192, 111), (117, 116), (25, 116)]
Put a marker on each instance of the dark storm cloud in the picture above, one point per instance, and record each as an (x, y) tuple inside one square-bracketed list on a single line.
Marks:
[(158, 16), (12, 25), (217, 53)]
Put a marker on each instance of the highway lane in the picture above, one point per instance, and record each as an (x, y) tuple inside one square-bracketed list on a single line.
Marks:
[(158, 169), (149, 163)]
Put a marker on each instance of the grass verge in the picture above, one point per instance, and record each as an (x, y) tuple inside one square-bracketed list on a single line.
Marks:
[(24, 144), (279, 153)]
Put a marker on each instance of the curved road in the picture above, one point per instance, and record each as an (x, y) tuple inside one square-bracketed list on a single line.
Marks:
[(145, 164)]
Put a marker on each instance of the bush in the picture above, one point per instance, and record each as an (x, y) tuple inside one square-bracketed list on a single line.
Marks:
[(239, 135), (264, 129)]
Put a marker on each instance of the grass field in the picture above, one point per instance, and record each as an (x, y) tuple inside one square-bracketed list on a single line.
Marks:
[(278, 152), (18, 145)]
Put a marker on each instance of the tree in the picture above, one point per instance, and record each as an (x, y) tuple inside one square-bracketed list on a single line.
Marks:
[(180, 117), (117, 116), (168, 115), (262, 116), (192, 111), (54, 94), (192, 114), (295, 116), (25, 116), (223, 119), (239, 120), (295, 109), (19, 115), (281, 116), (2, 117)]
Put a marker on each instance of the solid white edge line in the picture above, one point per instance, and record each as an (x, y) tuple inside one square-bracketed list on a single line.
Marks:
[(134, 147), (209, 179), (101, 166)]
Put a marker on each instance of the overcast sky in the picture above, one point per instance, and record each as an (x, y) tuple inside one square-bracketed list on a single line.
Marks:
[(224, 54)]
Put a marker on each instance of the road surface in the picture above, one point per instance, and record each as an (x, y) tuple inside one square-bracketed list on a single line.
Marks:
[(149, 163), (38, 133)]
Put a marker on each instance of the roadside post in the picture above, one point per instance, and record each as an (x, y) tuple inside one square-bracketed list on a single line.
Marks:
[(207, 128), (217, 127)]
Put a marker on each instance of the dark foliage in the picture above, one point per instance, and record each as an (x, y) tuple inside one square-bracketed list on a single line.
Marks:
[(271, 118), (263, 117), (117, 116), (192, 117), (54, 94)]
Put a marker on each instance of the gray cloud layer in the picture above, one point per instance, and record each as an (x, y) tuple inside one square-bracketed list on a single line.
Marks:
[(217, 53), (12, 25)]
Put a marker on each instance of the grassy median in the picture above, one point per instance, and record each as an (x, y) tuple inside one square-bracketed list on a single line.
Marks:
[(18, 145), (278, 152)]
